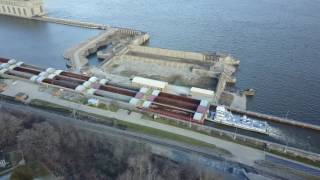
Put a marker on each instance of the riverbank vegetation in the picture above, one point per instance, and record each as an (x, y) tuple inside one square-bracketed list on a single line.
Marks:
[(71, 153)]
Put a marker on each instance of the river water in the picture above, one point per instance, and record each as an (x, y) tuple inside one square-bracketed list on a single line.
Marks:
[(277, 42)]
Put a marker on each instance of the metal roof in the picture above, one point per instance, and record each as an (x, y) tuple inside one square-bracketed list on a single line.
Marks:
[(149, 82), (202, 91)]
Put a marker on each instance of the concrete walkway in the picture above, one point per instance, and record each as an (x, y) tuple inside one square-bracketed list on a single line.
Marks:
[(242, 154)]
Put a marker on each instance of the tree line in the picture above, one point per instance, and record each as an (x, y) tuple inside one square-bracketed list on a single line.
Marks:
[(71, 153)]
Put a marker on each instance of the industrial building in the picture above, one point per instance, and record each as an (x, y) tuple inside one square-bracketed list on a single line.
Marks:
[(22, 8)]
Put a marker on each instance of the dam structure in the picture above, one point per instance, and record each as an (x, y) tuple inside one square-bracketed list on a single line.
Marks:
[(180, 87), (124, 48), (144, 97), (22, 8)]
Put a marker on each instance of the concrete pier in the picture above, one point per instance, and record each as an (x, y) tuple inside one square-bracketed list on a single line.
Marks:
[(70, 22), (78, 55), (117, 38), (276, 119)]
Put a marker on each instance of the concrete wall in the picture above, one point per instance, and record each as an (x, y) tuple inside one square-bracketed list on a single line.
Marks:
[(221, 85), (26, 9), (154, 61), (203, 72), (140, 40), (169, 53)]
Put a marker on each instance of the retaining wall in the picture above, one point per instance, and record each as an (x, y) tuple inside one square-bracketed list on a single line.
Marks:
[(155, 61), (168, 53)]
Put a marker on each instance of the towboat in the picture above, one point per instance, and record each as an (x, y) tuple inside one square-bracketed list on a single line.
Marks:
[(223, 116)]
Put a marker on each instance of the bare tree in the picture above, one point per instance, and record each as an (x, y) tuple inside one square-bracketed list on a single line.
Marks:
[(9, 128), (40, 142)]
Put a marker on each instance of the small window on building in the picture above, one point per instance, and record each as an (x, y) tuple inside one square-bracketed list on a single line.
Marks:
[(14, 10), (32, 12), (24, 12), (9, 11), (19, 11), (4, 9)]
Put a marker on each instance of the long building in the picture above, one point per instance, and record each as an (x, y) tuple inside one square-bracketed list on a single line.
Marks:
[(22, 8)]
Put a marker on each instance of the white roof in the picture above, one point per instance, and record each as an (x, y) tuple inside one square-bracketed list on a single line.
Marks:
[(103, 81), (134, 101), (146, 104), (198, 116), (91, 91), (80, 88), (57, 72), (19, 63), (12, 61), (93, 79), (44, 74), (144, 90), (202, 91), (5, 65), (93, 101), (221, 108), (204, 103), (12, 66), (40, 79), (155, 92), (2, 71), (87, 84), (50, 70), (51, 76), (149, 82), (34, 78)]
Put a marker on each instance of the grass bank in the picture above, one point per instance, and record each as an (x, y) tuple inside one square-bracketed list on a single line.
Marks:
[(171, 136), (131, 127)]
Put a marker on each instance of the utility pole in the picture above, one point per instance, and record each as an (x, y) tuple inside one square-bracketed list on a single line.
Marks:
[(235, 133)]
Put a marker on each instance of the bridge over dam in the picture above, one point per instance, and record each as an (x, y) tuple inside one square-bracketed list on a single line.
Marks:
[(70, 22), (83, 24)]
